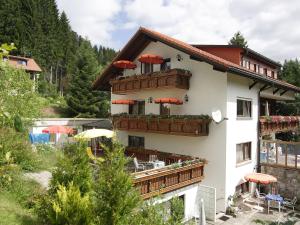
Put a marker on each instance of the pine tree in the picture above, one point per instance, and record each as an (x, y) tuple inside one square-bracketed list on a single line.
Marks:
[(239, 40), (82, 100)]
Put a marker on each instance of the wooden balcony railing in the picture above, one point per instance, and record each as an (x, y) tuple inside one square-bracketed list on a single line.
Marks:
[(148, 155), (275, 124), (283, 154), (185, 126), (173, 78), (160, 181)]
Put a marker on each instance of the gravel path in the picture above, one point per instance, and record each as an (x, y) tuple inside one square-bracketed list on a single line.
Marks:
[(42, 178)]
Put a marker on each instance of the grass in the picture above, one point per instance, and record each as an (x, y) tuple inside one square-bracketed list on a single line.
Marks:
[(17, 199), (13, 213), (47, 160)]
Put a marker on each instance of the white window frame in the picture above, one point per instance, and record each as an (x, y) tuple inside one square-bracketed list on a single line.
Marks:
[(251, 108), (244, 161)]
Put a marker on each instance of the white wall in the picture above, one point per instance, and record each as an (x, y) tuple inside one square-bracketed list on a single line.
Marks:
[(240, 131), (207, 92)]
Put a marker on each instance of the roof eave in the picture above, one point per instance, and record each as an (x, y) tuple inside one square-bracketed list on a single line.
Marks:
[(262, 79)]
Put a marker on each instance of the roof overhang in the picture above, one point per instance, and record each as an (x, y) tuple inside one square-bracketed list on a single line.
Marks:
[(144, 36)]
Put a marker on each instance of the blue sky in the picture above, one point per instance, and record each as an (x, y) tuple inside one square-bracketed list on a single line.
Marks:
[(270, 26)]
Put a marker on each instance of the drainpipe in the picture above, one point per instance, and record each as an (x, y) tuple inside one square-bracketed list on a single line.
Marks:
[(258, 137)]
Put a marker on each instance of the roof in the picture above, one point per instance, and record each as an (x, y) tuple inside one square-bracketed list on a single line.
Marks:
[(144, 36), (247, 51), (30, 65)]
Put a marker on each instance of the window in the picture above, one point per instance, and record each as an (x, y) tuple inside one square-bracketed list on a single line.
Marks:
[(258, 68), (265, 71), (148, 68), (273, 74), (254, 67), (22, 62), (248, 65), (136, 142), (138, 108), (243, 152), (166, 65), (164, 109), (244, 108)]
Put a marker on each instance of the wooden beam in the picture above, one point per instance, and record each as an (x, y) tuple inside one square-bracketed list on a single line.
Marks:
[(274, 92), (195, 58), (282, 93), (253, 84), (219, 68), (265, 87)]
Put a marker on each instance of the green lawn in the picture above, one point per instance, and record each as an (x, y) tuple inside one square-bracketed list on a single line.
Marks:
[(15, 202), (13, 213)]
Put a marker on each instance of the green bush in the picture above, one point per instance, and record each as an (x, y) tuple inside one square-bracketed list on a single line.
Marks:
[(74, 167), (70, 207), (18, 146)]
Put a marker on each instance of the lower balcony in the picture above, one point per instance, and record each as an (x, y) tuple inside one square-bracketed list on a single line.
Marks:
[(170, 178), (175, 125), (276, 124)]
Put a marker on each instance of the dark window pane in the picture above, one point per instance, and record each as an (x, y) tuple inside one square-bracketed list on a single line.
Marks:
[(164, 109), (135, 141)]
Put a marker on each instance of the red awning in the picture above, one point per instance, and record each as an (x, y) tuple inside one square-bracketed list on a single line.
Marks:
[(123, 102), (150, 58), (58, 129), (124, 64), (261, 178), (174, 101)]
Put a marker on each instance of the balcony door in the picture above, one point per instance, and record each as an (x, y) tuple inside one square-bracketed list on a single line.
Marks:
[(164, 109), (138, 108)]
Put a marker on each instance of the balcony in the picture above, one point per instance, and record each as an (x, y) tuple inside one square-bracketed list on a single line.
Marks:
[(276, 124), (146, 155), (184, 125), (159, 181), (173, 78)]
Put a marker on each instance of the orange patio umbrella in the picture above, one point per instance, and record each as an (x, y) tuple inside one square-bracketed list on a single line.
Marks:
[(58, 130), (261, 178), (174, 101), (150, 58), (125, 64), (123, 102)]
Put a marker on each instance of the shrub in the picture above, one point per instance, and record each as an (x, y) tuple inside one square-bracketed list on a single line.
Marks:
[(17, 145), (74, 167), (70, 207)]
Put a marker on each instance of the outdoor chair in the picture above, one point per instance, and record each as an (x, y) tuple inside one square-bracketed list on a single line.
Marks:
[(259, 196), (290, 203), (137, 165)]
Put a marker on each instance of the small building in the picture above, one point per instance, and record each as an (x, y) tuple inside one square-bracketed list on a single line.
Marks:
[(28, 64)]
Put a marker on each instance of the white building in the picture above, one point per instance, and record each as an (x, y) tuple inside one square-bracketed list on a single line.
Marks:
[(230, 79)]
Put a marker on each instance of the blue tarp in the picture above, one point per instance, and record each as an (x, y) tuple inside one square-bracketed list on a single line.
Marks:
[(39, 138)]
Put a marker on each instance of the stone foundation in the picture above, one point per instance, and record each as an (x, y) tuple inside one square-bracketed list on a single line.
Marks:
[(288, 180)]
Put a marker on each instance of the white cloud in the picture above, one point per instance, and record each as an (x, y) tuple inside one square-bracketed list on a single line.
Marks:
[(271, 27), (92, 18)]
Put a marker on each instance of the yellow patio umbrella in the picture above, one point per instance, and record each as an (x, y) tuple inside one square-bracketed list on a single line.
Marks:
[(93, 133)]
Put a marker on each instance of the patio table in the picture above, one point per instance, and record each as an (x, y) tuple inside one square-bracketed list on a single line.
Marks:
[(157, 164), (276, 198)]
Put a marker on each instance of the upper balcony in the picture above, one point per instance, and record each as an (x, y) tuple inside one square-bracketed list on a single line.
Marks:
[(172, 78), (184, 125), (276, 124)]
